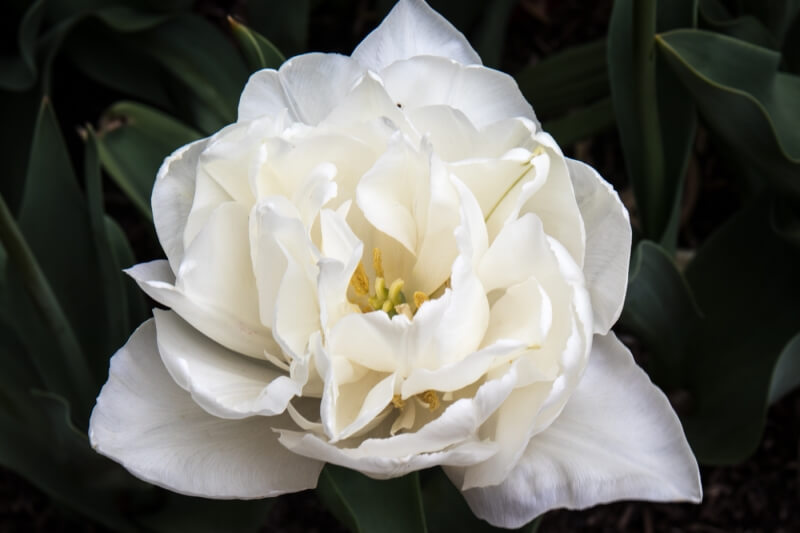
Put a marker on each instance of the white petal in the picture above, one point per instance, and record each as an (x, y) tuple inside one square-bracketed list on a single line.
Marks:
[(524, 313), (518, 252), (276, 234), (618, 438), (224, 383), (380, 467), (459, 374), (157, 280), (437, 248), (411, 29), (453, 431), (309, 86), (608, 243), (366, 102), (144, 421), (173, 193), (393, 192), (482, 94), (555, 204)]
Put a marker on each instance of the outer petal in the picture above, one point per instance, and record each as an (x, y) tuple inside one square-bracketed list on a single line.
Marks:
[(172, 197), (309, 86), (224, 383), (411, 29), (144, 421), (608, 243), (617, 438), (157, 280), (482, 94)]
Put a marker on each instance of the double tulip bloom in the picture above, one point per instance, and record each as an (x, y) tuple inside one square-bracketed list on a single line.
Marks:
[(387, 265)]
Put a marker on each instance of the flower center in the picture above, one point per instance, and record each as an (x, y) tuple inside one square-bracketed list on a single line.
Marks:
[(391, 300)]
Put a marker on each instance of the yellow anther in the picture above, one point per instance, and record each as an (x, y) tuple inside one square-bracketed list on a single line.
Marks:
[(398, 402), (359, 280), (431, 398), (419, 299), (377, 262), (387, 306), (395, 291)]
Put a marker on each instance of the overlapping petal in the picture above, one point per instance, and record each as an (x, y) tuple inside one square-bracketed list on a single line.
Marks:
[(156, 430), (617, 438)]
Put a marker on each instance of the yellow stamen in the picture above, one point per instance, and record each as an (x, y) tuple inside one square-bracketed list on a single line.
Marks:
[(420, 298), (359, 281), (431, 398), (380, 288), (398, 402), (387, 306), (377, 262), (395, 294)]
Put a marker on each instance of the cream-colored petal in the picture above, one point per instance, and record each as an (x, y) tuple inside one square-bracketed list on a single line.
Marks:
[(519, 252), (394, 192), (157, 280), (276, 234), (617, 438), (524, 314), (222, 382), (462, 373), (484, 95), (608, 243), (310, 86), (411, 29), (380, 467), (151, 426), (173, 193)]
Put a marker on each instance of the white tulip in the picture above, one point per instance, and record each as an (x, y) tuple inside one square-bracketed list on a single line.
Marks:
[(386, 264)]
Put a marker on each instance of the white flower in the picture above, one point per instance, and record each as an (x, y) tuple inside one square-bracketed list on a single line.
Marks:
[(385, 264)]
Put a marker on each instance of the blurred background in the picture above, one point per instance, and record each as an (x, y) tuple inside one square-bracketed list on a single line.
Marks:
[(689, 108)]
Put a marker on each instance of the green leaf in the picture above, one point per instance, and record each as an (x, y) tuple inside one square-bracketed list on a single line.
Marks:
[(207, 65), (137, 309), (446, 510), (786, 374), (585, 122), (120, 63), (19, 73), (660, 310), (490, 35), (775, 15), (655, 116), (746, 27), (283, 22), (569, 79), (258, 51), (744, 279), (66, 300), (366, 505), (744, 99), (133, 141), (19, 111), (40, 443), (791, 46), (113, 253)]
